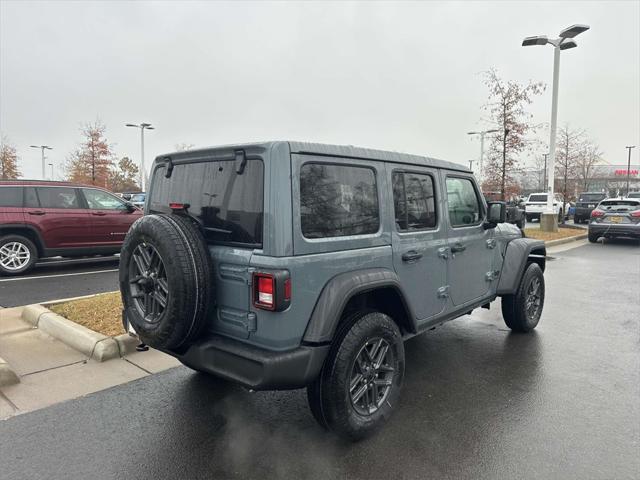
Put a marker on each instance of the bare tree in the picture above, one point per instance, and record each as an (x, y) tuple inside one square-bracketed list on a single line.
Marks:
[(586, 163), (93, 160), (8, 160), (506, 107), (571, 143)]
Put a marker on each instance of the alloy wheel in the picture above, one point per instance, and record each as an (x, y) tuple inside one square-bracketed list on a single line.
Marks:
[(148, 282), (14, 256), (534, 298), (371, 376)]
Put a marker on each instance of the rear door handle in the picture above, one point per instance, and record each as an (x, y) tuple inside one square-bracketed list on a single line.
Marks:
[(458, 247), (36, 212), (98, 214), (411, 256)]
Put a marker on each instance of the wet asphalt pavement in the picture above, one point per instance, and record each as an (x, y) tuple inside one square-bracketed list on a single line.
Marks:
[(478, 402)]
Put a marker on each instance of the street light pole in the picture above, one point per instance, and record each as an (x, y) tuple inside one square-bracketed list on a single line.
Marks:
[(563, 42), (544, 184), (143, 172), (51, 165), (471, 165), (481, 159), (629, 165), (42, 148)]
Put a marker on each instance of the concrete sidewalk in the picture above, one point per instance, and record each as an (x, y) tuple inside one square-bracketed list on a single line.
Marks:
[(52, 372)]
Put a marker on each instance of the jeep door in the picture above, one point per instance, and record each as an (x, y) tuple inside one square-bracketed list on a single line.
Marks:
[(419, 239), (110, 217), (59, 216), (470, 245)]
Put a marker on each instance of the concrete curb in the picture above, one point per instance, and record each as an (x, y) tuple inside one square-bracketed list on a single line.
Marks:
[(561, 241), (126, 344), (92, 344), (7, 375)]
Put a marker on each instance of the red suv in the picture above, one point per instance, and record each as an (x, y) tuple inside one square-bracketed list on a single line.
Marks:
[(46, 219)]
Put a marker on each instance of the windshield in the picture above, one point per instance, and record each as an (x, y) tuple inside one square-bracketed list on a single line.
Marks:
[(538, 198), (591, 197), (619, 205), (228, 205)]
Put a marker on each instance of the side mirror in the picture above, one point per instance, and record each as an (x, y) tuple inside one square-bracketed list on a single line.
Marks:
[(130, 207), (496, 213)]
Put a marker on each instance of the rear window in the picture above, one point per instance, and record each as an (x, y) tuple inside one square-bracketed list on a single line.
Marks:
[(10, 196), (538, 198), (338, 200), (58, 197), (591, 197), (228, 205), (619, 205)]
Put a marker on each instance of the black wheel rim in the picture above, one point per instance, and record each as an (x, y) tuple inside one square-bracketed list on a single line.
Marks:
[(371, 376), (534, 298), (148, 282)]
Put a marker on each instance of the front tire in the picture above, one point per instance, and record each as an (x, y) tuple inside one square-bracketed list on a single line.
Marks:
[(18, 255), (522, 311), (360, 382)]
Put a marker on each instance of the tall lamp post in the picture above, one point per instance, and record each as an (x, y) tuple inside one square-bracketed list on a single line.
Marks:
[(42, 148), (629, 165), (563, 42), (51, 165), (143, 172), (481, 164)]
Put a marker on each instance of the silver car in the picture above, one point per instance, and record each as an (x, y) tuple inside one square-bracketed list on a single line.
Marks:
[(615, 218)]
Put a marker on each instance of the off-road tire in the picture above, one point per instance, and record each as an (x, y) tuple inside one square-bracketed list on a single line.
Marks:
[(188, 267), (329, 396), (26, 243), (593, 237), (514, 307)]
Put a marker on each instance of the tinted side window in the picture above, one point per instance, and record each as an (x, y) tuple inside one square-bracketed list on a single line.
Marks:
[(414, 201), (31, 198), (58, 197), (338, 200), (10, 196), (464, 206), (99, 200), (228, 204)]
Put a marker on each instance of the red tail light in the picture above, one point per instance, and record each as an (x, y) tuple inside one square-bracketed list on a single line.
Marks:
[(265, 289), (597, 213), (635, 214)]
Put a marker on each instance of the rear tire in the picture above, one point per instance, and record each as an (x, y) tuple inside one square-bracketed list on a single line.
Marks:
[(360, 382), (18, 255), (522, 311), (593, 238)]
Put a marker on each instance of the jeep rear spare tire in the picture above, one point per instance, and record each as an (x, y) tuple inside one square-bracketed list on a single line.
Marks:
[(165, 280)]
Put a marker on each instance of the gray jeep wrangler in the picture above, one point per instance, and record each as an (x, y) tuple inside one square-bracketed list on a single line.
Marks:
[(286, 265)]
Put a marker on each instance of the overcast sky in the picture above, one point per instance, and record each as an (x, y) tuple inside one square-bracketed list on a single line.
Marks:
[(401, 76)]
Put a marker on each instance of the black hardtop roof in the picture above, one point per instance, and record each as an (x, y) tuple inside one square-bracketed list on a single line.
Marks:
[(321, 149)]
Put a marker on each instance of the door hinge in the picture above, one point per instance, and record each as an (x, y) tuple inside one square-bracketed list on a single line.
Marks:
[(443, 252), (443, 292), (252, 322), (492, 275), (491, 243)]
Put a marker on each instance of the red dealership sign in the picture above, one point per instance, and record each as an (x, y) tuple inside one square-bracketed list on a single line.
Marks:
[(624, 172)]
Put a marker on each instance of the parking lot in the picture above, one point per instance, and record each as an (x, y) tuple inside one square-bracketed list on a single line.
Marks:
[(478, 402)]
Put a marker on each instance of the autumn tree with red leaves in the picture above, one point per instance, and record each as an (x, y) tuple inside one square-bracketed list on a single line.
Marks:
[(92, 162), (8, 160), (507, 111)]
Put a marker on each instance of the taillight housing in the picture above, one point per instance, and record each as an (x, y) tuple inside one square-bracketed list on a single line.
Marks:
[(272, 290), (597, 213), (635, 214)]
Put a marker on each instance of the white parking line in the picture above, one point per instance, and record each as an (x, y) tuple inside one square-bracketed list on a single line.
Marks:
[(54, 276)]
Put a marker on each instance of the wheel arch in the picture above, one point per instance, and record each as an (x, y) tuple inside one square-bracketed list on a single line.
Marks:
[(376, 288), (519, 253), (26, 231)]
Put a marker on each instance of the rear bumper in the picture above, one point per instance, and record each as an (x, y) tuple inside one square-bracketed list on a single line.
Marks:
[(255, 367), (615, 230)]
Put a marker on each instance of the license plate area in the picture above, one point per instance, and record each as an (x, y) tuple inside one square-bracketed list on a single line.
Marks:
[(615, 219)]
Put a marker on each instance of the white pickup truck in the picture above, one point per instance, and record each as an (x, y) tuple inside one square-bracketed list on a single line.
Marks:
[(537, 204)]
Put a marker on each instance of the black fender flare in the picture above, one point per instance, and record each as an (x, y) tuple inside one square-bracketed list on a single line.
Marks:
[(339, 290), (518, 253)]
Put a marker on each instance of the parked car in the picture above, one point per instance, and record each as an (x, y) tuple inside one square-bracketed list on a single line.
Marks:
[(537, 204), (587, 201), (138, 199), (287, 265), (41, 219), (515, 213), (617, 217), (634, 195)]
